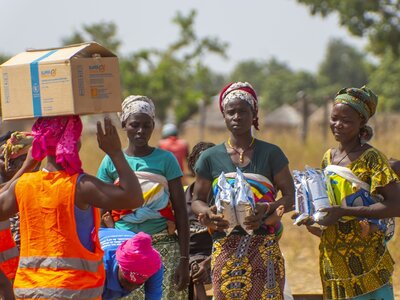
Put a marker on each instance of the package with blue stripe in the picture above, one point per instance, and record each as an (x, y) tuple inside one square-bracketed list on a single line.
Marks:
[(77, 79), (235, 202), (310, 194)]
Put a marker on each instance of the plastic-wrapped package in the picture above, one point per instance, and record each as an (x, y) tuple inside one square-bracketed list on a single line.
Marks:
[(225, 202), (303, 206), (235, 203), (244, 204), (317, 191), (311, 194)]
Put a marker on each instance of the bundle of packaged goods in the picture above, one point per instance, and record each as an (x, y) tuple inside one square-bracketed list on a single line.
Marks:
[(235, 203), (73, 80), (311, 194)]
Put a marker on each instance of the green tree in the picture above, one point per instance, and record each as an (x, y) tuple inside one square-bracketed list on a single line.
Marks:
[(104, 33), (385, 82), (176, 78), (275, 82), (3, 58), (343, 66), (379, 20)]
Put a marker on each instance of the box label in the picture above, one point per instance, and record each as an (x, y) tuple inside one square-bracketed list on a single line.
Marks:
[(35, 84)]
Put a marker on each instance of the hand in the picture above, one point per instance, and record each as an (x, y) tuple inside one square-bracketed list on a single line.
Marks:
[(254, 221), (182, 274), (108, 139), (307, 221), (276, 216), (199, 272), (216, 221), (334, 214), (107, 219)]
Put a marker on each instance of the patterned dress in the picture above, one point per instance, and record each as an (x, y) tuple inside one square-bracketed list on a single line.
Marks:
[(354, 266)]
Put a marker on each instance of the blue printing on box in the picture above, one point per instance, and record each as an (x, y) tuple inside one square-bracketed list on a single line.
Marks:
[(35, 83)]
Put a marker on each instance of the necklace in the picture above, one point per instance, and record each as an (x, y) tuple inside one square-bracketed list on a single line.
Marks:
[(352, 150), (240, 152)]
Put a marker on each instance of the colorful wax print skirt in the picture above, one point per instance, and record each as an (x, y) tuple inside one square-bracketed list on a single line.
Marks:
[(352, 265), (247, 267)]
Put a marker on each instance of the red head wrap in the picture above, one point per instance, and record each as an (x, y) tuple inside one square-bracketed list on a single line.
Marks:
[(243, 91)]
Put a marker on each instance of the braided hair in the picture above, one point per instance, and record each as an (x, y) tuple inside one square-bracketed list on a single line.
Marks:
[(195, 154)]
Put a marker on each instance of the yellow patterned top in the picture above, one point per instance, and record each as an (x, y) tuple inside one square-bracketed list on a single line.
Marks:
[(352, 265)]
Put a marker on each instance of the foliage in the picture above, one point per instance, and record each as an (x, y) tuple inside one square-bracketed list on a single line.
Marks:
[(379, 20), (104, 33), (3, 58), (385, 82), (176, 78), (274, 81)]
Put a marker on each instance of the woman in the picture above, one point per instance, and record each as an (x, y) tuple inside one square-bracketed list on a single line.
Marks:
[(60, 251), (245, 266), (160, 179), (363, 189)]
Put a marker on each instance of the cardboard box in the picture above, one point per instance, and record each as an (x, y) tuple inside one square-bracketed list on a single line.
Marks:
[(77, 79)]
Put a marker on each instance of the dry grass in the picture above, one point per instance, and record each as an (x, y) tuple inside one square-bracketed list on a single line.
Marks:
[(298, 246)]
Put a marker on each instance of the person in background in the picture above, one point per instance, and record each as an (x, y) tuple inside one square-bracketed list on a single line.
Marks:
[(200, 239), (130, 261), (13, 150), (172, 143), (160, 179), (245, 266), (60, 253), (363, 189)]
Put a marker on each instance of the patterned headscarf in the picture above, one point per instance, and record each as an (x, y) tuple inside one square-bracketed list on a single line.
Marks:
[(58, 136), (363, 100), (243, 91), (137, 104), (18, 144)]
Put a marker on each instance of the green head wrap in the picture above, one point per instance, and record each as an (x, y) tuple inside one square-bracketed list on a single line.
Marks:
[(363, 100)]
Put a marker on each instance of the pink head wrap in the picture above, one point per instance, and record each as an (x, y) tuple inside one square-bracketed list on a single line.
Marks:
[(137, 259), (58, 136)]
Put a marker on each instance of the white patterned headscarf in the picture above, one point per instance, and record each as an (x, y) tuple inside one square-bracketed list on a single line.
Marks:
[(135, 104), (243, 91)]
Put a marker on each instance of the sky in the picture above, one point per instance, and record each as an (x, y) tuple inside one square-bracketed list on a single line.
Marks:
[(253, 29)]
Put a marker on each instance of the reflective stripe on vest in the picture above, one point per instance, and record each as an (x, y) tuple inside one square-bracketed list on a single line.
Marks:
[(58, 293), (5, 225), (59, 263), (8, 254)]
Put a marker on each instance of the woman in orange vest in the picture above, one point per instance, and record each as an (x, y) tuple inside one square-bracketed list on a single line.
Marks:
[(13, 149), (60, 251)]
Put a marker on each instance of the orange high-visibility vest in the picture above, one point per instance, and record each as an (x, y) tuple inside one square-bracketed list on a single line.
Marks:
[(53, 263), (9, 253)]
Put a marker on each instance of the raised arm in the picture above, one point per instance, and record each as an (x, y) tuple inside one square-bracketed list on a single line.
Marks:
[(92, 191)]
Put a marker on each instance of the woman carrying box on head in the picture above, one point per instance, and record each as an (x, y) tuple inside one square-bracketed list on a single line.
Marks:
[(57, 207)]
